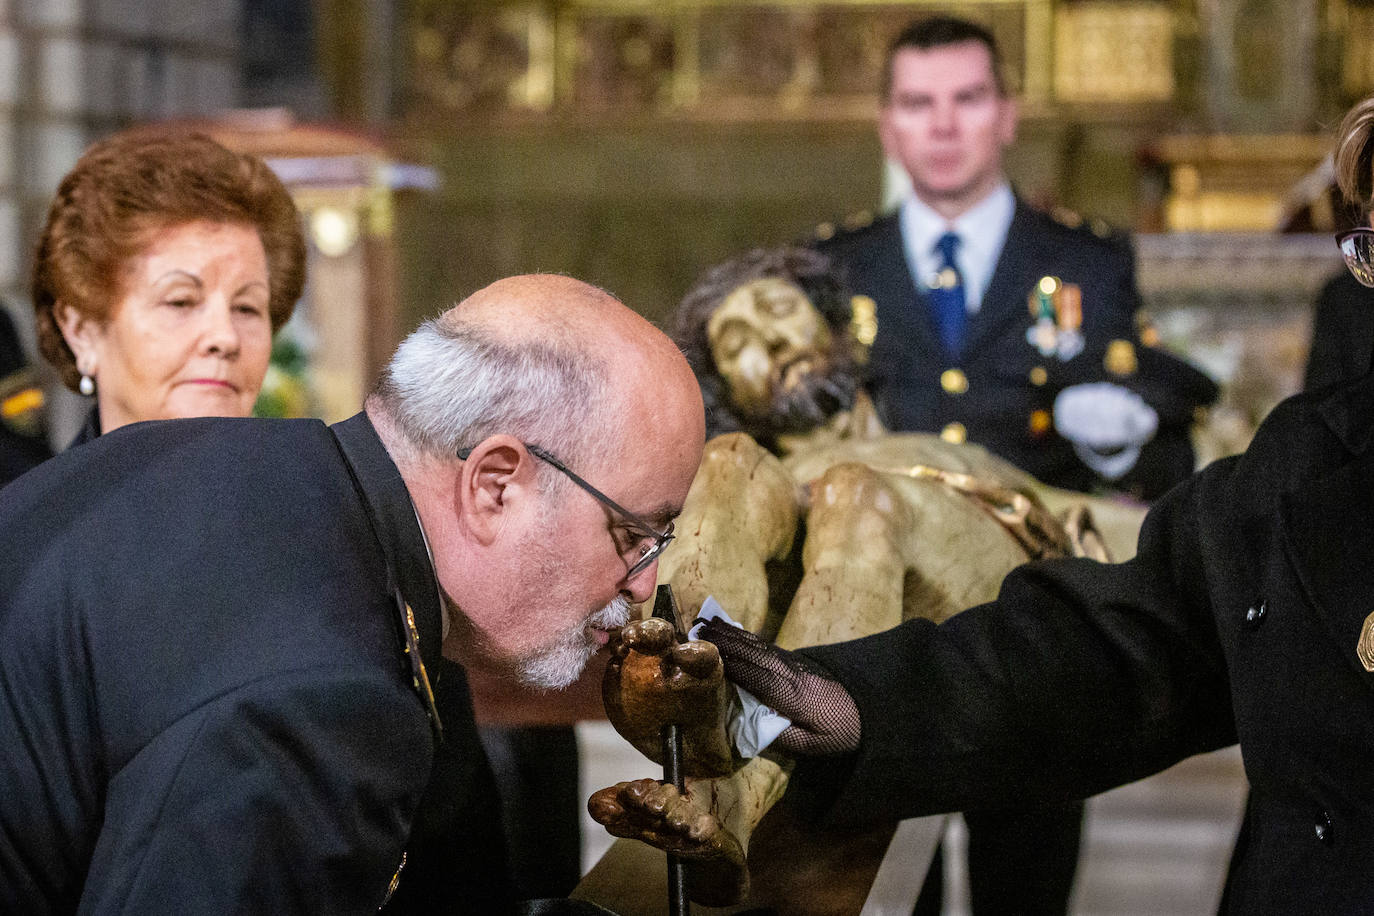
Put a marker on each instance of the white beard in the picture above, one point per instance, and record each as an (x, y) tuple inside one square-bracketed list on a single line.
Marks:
[(560, 665)]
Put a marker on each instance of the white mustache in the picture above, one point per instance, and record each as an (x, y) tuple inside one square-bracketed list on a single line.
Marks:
[(615, 614)]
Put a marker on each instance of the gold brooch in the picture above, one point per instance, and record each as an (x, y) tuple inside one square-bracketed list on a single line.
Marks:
[(1365, 647)]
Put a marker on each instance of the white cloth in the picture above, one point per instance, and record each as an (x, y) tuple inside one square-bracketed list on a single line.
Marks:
[(755, 726), (982, 231), (1107, 424)]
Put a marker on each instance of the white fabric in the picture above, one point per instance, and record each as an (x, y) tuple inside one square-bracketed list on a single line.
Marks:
[(1106, 423), (755, 726), (982, 231)]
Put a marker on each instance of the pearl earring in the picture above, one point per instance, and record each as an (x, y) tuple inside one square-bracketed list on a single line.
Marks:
[(87, 385)]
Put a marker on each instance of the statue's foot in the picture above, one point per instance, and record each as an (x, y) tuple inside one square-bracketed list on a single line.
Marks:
[(653, 680), (659, 815)]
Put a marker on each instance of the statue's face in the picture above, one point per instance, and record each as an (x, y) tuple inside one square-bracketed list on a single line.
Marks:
[(767, 340)]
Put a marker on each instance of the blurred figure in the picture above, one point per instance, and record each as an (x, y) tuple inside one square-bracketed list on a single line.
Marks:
[(23, 436), (989, 309)]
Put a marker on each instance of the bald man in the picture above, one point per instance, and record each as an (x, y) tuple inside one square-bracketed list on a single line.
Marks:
[(220, 639)]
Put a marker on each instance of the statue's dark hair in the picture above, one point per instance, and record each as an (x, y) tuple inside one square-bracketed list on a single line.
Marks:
[(810, 270)]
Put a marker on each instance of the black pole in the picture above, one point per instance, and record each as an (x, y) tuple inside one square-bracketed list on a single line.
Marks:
[(665, 608)]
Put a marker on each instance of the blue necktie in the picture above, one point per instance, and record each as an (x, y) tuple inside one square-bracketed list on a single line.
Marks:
[(947, 297)]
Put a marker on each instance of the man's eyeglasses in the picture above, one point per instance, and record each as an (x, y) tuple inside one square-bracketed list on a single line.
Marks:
[(1357, 247), (649, 541)]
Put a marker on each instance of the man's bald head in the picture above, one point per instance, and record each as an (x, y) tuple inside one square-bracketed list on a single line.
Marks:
[(544, 357), (535, 568)]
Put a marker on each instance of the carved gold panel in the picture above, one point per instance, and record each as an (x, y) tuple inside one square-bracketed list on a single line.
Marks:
[(716, 59), (1114, 52), (1357, 70), (473, 59), (1231, 182)]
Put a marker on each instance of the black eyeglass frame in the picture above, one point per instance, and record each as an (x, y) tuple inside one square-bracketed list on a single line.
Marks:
[(1361, 270), (661, 538)]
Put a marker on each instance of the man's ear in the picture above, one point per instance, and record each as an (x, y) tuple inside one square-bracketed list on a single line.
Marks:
[(82, 333), (1010, 117), (886, 138), (494, 480)]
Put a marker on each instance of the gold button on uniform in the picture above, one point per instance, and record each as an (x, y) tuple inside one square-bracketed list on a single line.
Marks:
[(1120, 358), (954, 432), (1039, 422), (863, 323), (1038, 376), (954, 381)]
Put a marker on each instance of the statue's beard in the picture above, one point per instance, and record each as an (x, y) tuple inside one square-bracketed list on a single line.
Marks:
[(807, 396)]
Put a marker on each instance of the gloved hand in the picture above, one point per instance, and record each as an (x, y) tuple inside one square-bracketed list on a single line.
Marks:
[(1107, 424), (825, 719)]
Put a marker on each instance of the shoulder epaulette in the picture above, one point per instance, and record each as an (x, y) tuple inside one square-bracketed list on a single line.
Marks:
[(1070, 219), (855, 222), (1093, 227), (21, 403)]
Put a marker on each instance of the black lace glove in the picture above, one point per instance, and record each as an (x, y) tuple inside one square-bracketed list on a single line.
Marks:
[(824, 717)]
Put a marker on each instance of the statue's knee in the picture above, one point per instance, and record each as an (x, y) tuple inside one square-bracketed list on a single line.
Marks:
[(736, 469), (855, 508), (847, 489), (732, 450)]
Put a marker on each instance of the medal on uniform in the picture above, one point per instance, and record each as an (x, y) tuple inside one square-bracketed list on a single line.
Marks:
[(419, 677), (1056, 310)]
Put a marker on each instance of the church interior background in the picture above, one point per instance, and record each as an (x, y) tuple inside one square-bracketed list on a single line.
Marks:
[(436, 145), (635, 142)]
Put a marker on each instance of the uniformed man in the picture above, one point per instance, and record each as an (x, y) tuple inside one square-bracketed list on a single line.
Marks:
[(23, 437), (988, 312), (218, 638), (987, 307)]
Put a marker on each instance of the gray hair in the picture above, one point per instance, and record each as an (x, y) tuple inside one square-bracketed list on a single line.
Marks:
[(451, 384)]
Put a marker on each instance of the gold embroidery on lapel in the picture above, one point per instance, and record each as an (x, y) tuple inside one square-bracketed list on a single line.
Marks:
[(1365, 647), (395, 881)]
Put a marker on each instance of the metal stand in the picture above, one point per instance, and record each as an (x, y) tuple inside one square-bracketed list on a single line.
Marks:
[(665, 608)]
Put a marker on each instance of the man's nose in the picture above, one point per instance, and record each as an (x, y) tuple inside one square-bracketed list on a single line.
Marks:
[(640, 586), (944, 119)]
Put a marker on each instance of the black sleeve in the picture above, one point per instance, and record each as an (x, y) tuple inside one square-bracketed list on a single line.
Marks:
[(293, 794), (1079, 677)]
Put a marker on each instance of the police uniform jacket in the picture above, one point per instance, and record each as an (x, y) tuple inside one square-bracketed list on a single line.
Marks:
[(1244, 617), (207, 705), (1000, 391)]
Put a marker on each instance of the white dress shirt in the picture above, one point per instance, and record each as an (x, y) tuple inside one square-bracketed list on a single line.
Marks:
[(982, 231)]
